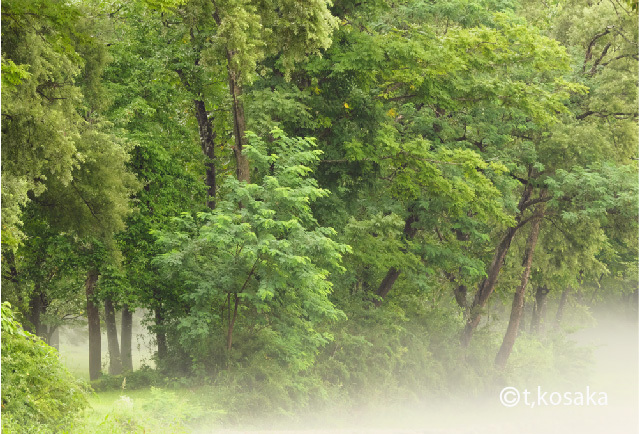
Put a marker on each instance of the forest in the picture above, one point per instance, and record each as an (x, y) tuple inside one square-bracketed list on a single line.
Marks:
[(309, 204)]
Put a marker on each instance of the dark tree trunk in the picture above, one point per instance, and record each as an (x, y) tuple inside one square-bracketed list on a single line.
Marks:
[(387, 284), (562, 306), (393, 273), (205, 130), (37, 308), (487, 285), (539, 310), (115, 362), (93, 316), (127, 337), (207, 142), (160, 335), (239, 121), (461, 294), (518, 299)]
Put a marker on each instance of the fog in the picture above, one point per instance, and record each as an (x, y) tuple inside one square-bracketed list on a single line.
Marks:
[(74, 346), (614, 340), (609, 395)]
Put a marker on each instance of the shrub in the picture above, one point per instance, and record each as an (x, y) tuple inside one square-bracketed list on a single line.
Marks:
[(39, 395)]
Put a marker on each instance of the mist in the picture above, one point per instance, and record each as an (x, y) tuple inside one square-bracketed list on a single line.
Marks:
[(599, 393)]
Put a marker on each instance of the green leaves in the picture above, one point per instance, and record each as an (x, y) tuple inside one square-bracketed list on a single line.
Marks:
[(262, 247), (38, 392)]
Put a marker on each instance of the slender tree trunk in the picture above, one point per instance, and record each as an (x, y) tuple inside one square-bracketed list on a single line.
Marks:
[(115, 361), (205, 130), (487, 285), (239, 120), (207, 142), (160, 335), (127, 337), (387, 283), (518, 299), (393, 273), (539, 310), (93, 316), (561, 307)]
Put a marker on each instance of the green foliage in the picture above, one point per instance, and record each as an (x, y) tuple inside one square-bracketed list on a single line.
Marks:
[(151, 410), (141, 379), (262, 251), (439, 128), (39, 395)]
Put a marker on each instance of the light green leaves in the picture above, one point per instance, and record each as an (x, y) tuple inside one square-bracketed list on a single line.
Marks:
[(262, 245)]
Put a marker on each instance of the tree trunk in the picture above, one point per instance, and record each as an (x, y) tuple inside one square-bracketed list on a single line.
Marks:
[(561, 307), (518, 299), (115, 362), (487, 285), (160, 335), (205, 127), (539, 310), (387, 284), (93, 316), (461, 293), (37, 308), (393, 273), (207, 142), (239, 121), (127, 337)]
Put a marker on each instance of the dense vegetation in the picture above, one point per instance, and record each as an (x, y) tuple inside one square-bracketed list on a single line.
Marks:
[(313, 200)]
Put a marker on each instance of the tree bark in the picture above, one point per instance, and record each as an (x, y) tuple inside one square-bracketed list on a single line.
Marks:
[(539, 310), (387, 284), (393, 273), (127, 337), (487, 285), (160, 335), (93, 316), (207, 142), (115, 361), (561, 307), (239, 120), (518, 300), (37, 308), (461, 293)]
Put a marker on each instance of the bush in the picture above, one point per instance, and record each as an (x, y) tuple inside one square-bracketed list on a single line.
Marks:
[(143, 378), (39, 395)]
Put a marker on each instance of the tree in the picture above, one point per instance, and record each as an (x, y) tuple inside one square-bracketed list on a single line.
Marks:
[(73, 171), (262, 265)]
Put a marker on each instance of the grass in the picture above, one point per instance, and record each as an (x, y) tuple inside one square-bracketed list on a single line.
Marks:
[(152, 410)]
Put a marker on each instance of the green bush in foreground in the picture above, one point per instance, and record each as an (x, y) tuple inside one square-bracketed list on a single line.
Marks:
[(39, 395)]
